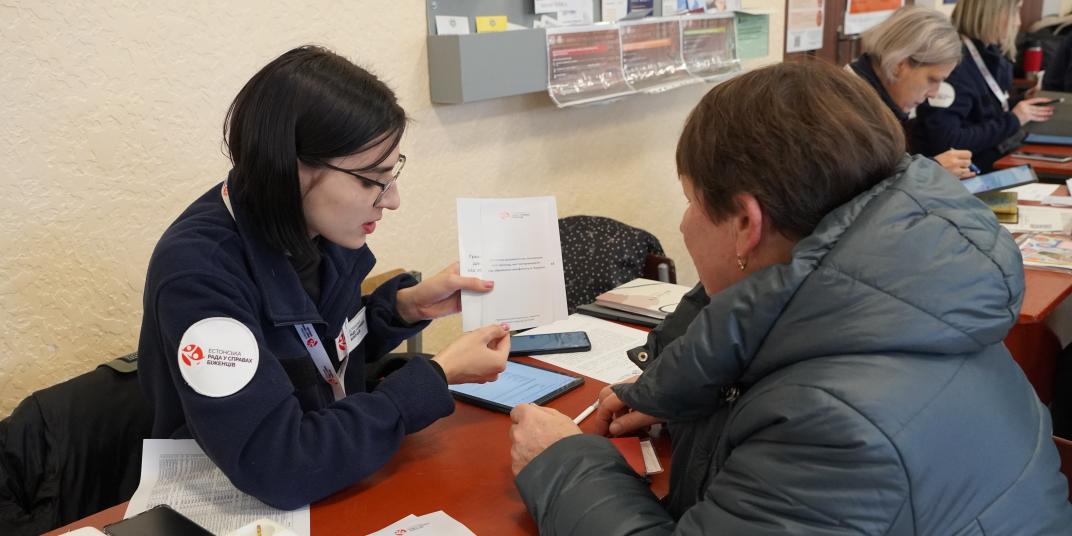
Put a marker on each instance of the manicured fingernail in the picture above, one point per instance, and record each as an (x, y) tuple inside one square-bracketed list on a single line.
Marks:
[(489, 284), (505, 326), (614, 428)]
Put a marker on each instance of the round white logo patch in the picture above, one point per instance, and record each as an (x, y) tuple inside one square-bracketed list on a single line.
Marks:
[(945, 97), (218, 356)]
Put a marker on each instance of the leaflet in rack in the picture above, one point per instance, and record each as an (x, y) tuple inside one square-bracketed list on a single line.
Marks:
[(600, 62), (584, 64), (651, 55), (709, 46)]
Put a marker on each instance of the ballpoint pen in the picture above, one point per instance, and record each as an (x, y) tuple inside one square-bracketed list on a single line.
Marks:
[(587, 411)]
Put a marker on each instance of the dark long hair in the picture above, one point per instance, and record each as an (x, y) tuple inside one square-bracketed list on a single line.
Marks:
[(309, 104)]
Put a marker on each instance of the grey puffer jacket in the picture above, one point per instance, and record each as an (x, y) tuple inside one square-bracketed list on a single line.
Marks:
[(877, 395)]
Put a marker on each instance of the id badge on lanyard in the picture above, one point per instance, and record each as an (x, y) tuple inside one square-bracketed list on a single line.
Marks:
[(353, 331), (1001, 95)]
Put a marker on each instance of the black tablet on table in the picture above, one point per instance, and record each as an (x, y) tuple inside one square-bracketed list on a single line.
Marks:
[(1000, 180), (518, 384)]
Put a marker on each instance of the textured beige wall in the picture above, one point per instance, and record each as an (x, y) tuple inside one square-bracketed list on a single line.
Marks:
[(111, 122)]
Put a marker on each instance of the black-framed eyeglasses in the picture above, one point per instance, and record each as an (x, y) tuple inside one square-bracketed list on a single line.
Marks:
[(383, 186)]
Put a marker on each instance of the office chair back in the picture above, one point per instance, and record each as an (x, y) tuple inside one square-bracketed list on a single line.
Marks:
[(414, 343), (600, 253), (73, 449), (377, 370)]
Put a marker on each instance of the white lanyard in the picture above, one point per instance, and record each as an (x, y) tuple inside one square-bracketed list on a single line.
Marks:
[(1002, 96), (323, 363), (312, 341)]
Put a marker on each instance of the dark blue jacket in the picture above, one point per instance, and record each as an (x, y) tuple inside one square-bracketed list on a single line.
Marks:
[(974, 119), (282, 438), (860, 388), (863, 68)]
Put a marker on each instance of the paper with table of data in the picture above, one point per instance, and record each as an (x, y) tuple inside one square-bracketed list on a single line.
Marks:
[(178, 473), (515, 243)]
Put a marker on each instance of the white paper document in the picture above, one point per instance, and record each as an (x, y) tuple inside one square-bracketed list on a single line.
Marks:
[(179, 474), (434, 524), (515, 243), (1057, 200), (606, 361), (1033, 219), (1036, 191)]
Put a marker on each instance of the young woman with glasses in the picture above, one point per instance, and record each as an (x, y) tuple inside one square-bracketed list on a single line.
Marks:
[(255, 332)]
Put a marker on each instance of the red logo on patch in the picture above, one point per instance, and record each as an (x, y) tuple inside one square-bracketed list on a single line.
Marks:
[(311, 342), (191, 354)]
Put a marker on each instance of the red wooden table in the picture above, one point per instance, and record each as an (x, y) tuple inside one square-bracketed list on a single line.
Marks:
[(1043, 168), (460, 464), (1031, 342)]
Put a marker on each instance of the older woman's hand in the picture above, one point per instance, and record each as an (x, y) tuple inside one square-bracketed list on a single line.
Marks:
[(535, 428), (613, 417), (1029, 110), (957, 162), (439, 295)]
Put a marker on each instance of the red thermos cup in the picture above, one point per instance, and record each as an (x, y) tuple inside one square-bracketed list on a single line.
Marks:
[(1032, 60)]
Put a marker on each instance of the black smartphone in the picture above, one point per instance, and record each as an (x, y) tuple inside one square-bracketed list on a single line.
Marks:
[(1051, 102), (550, 343), (161, 519)]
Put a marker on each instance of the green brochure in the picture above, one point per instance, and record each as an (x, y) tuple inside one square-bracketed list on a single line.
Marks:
[(753, 36)]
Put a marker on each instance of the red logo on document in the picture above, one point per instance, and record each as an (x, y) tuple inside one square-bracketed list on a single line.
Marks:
[(191, 354), (504, 215), (311, 342), (341, 343)]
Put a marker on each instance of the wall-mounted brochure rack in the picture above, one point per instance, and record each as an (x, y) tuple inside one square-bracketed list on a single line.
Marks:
[(603, 62), (646, 55)]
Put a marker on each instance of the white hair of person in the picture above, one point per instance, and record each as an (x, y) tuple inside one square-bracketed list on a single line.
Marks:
[(917, 34), (981, 19)]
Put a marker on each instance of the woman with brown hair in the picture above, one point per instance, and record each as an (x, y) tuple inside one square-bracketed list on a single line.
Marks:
[(848, 374)]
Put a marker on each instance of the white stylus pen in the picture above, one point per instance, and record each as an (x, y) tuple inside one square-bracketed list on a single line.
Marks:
[(587, 411)]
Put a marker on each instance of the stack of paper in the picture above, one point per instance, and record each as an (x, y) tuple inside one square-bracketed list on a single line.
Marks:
[(644, 296), (1045, 251), (436, 523)]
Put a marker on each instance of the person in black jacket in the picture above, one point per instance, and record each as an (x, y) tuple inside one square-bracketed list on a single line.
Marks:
[(973, 109), (847, 374), (906, 58), (256, 334)]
